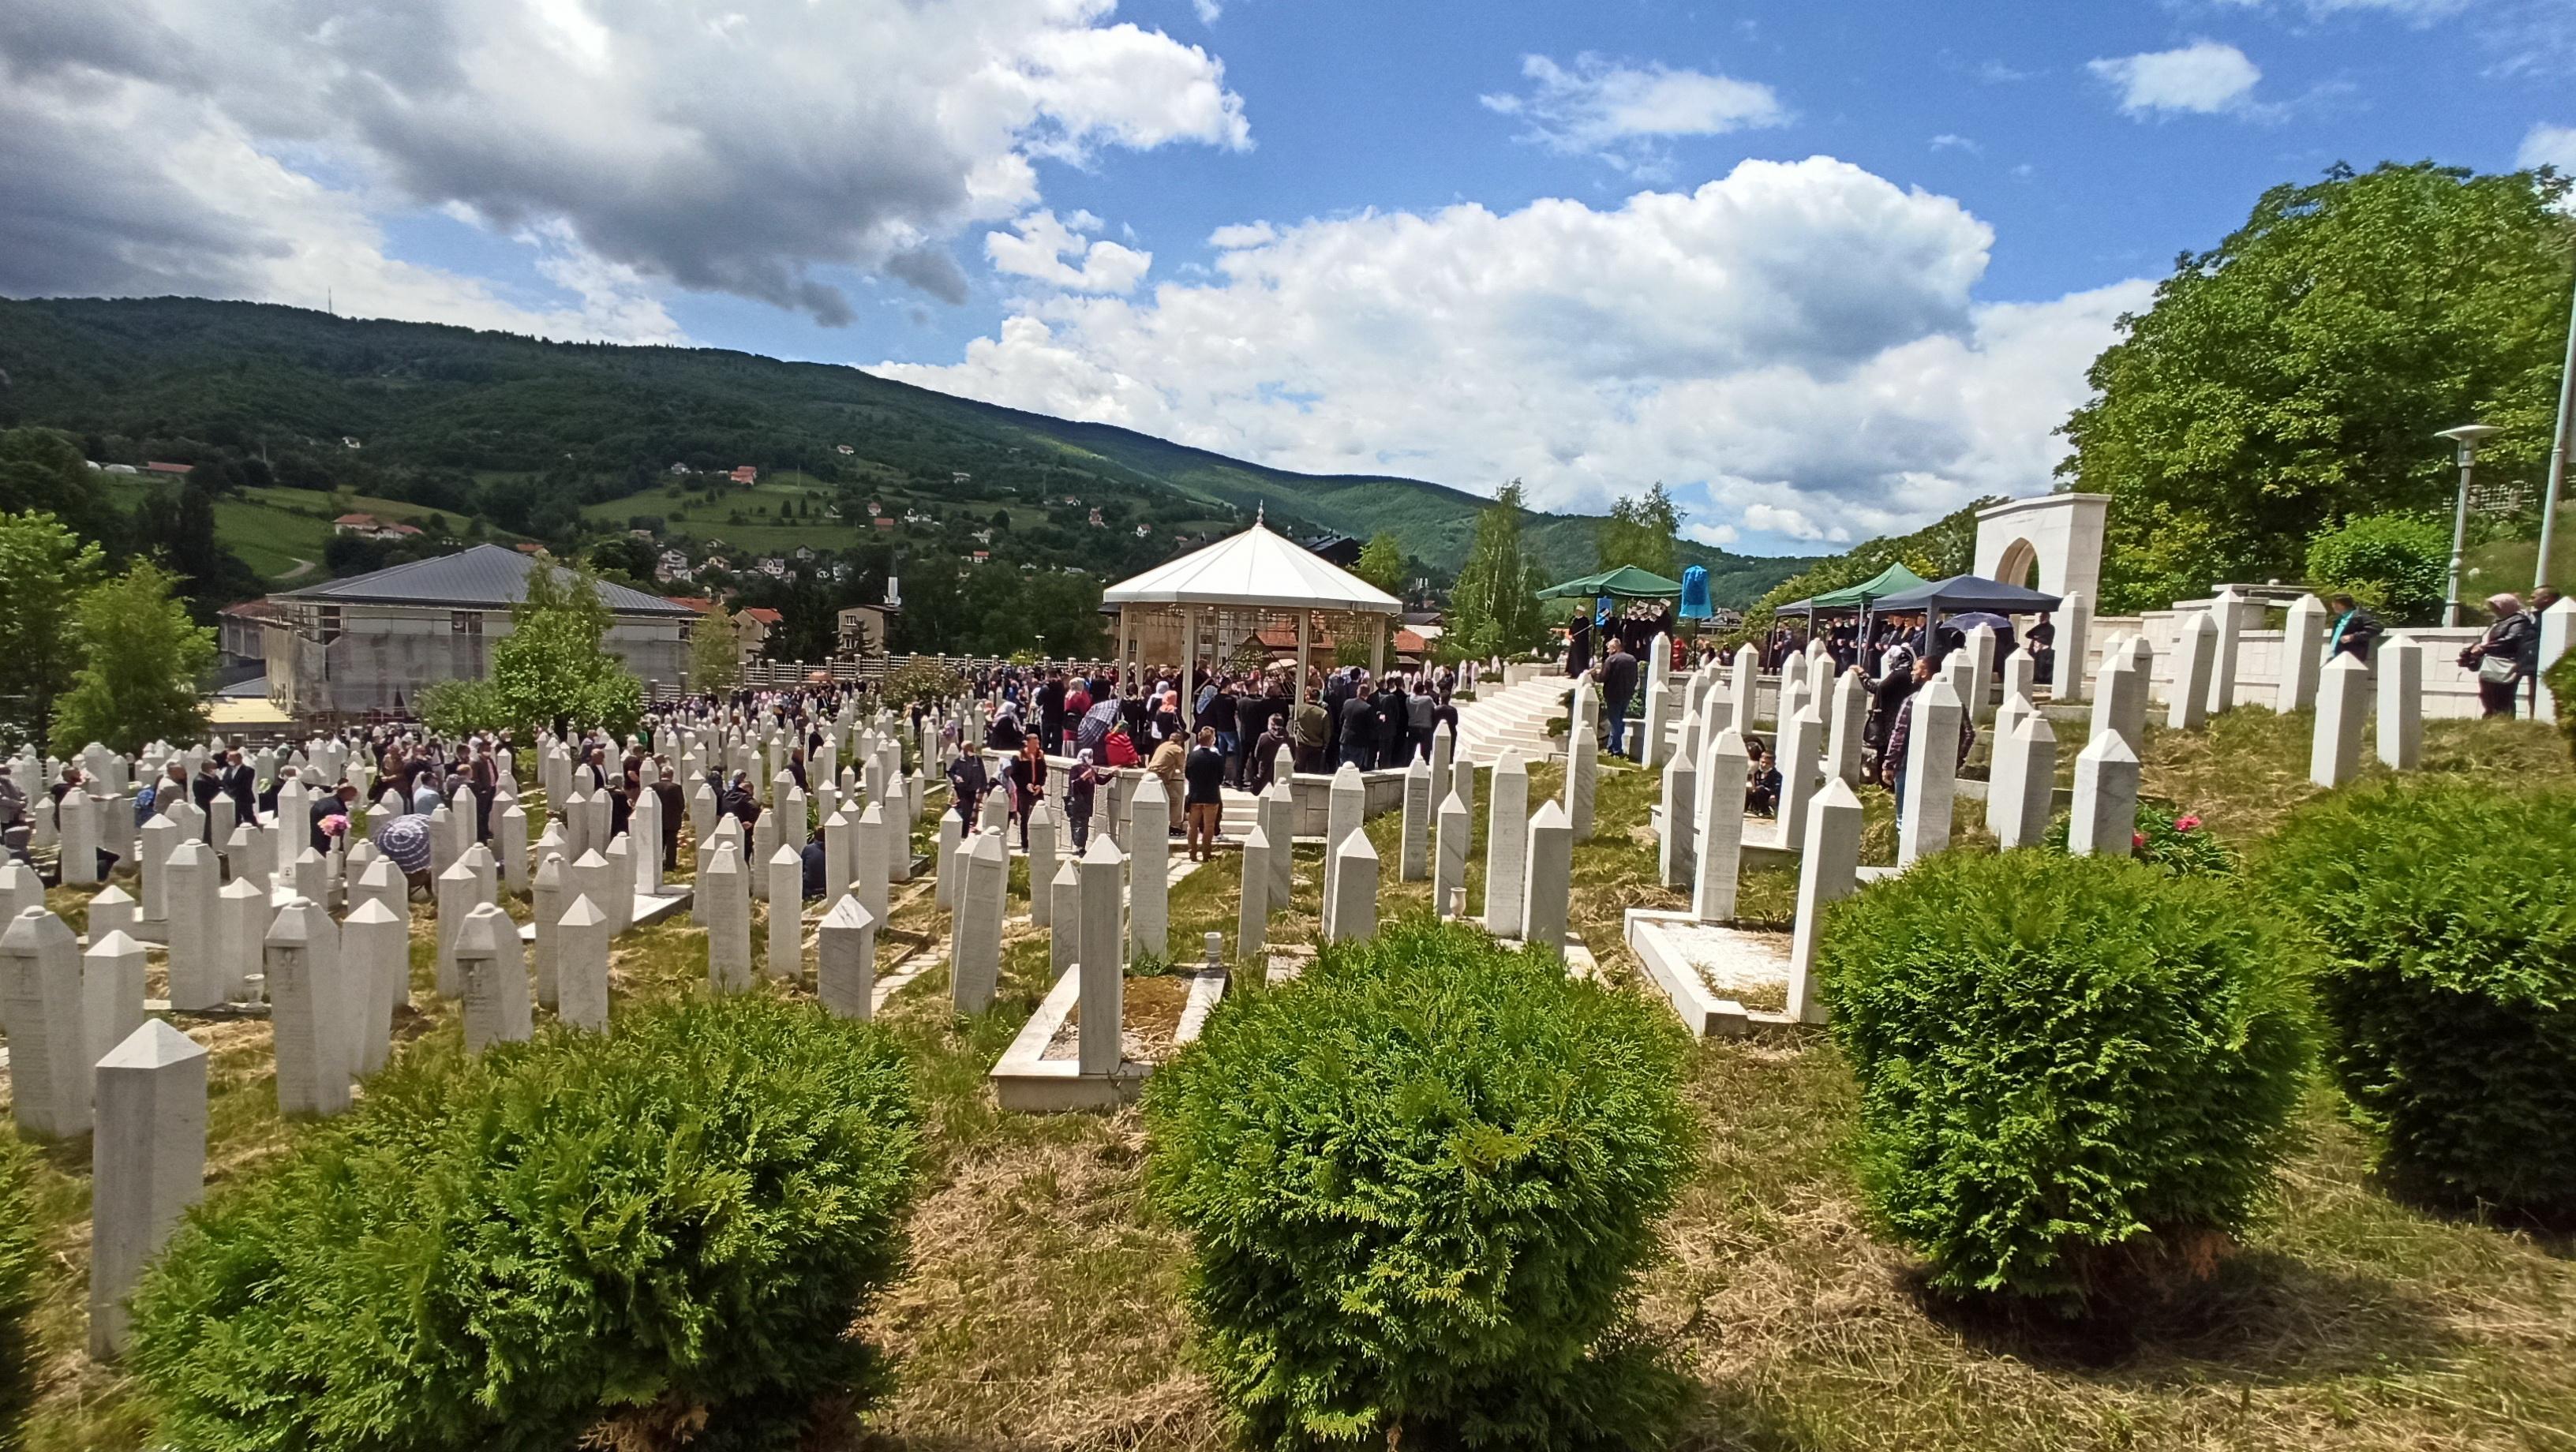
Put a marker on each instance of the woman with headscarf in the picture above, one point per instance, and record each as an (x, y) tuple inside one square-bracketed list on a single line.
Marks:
[(2500, 658), (1005, 734)]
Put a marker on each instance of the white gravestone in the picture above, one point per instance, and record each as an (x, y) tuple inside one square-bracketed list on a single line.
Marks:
[(1724, 769), (41, 1002), (845, 960), (581, 966), (1828, 869), (495, 971), (2343, 693), (1550, 890), (147, 1165), (2401, 703), (1506, 844), (307, 1017), (2105, 816), (1350, 911)]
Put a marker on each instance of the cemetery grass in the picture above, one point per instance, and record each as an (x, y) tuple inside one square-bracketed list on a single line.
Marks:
[(1042, 1306)]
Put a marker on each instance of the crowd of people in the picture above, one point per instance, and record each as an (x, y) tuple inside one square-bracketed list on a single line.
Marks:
[(1236, 724)]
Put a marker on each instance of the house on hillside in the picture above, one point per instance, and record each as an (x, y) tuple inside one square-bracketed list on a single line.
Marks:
[(744, 474), (673, 565), (679, 468), (752, 623), (367, 526), (370, 642), (181, 470), (843, 450), (773, 566), (961, 477)]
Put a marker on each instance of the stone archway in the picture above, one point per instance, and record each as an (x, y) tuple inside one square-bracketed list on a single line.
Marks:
[(2055, 537), (2019, 565)]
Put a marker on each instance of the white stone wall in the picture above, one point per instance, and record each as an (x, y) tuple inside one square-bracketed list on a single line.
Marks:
[(2449, 691)]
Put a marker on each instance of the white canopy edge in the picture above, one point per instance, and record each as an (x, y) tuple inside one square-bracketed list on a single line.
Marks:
[(1256, 568)]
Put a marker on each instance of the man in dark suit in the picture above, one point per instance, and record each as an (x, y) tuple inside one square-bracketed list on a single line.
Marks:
[(1618, 687)]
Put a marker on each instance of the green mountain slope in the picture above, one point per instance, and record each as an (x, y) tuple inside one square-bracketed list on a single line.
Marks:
[(164, 375)]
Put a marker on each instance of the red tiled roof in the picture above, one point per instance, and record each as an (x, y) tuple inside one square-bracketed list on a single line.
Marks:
[(158, 468), (763, 614), (357, 521)]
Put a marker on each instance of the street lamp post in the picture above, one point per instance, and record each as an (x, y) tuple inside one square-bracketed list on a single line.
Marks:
[(2468, 437)]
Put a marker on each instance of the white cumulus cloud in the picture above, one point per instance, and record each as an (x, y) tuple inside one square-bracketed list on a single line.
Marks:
[(1620, 111), (2546, 145), (771, 152), (1795, 346), (2204, 78), (1038, 245)]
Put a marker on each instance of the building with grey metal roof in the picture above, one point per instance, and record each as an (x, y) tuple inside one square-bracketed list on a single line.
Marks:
[(369, 643)]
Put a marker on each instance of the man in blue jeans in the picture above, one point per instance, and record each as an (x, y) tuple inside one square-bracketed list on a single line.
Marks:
[(1618, 686)]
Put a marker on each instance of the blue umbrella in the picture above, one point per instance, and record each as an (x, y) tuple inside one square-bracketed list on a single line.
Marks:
[(405, 839)]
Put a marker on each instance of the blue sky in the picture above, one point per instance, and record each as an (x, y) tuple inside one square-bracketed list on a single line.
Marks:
[(1826, 270)]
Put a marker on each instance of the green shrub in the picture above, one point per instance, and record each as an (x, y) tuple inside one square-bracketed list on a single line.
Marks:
[(2446, 911), (2396, 564), (18, 1261), (2071, 1068), (1418, 1184), (668, 1226)]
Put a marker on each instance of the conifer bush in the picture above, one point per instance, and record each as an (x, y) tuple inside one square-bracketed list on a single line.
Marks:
[(2445, 913), (2075, 1072), (659, 1234), (1419, 1184), (18, 1260)]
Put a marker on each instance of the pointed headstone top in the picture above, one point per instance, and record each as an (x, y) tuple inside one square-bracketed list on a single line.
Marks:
[(589, 858), (115, 945), (1356, 844), (373, 910), (2110, 746), (1102, 849), (155, 1045), (785, 856), (583, 913), (1550, 814)]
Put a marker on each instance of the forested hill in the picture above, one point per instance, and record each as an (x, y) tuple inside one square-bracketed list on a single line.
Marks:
[(390, 409)]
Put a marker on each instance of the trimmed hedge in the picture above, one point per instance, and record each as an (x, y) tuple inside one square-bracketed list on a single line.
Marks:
[(667, 1227), (18, 1261), (1419, 1184), (2070, 1068), (2446, 911)]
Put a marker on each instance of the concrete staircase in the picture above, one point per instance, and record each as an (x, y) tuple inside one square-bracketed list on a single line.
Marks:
[(1514, 718)]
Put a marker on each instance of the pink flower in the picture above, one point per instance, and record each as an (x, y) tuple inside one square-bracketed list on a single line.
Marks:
[(2185, 823), (334, 826), (2137, 841)]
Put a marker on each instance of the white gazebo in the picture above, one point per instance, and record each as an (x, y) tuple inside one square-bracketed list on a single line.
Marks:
[(1232, 590)]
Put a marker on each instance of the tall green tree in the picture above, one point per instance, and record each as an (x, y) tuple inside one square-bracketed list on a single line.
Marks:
[(2294, 375), (44, 569), (715, 650), (553, 667), (141, 658), (1642, 530), (1493, 609), (1381, 561)]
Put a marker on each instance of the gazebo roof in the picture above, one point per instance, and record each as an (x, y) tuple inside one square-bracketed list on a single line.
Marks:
[(1256, 568)]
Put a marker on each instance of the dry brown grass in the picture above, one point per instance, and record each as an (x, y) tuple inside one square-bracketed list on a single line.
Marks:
[(1043, 1309)]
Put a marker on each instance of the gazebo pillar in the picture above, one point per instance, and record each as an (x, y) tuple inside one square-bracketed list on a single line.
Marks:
[(1189, 665), (1303, 618), (1377, 646)]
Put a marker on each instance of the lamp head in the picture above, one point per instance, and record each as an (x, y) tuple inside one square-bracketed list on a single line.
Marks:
[(2469, 436)]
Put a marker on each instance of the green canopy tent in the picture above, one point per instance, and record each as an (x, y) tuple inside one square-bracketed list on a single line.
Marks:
[(1857, 599), (1626, 582)]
